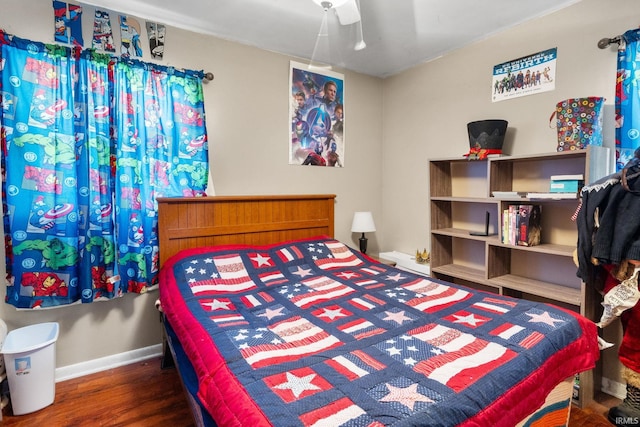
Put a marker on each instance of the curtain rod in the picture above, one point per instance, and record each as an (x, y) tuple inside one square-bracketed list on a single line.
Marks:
[(605, 42)]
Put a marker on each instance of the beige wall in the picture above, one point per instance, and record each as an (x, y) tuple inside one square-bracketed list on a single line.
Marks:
[(393, 127), (247, 119), (426, 108)]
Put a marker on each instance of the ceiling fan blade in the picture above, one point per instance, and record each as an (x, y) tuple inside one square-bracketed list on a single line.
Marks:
[(348, 13)]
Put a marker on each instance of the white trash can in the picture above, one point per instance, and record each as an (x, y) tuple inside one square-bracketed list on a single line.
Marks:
[(30, 360)]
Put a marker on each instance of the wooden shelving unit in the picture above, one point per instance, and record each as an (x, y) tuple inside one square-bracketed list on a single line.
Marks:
[(461, 195)]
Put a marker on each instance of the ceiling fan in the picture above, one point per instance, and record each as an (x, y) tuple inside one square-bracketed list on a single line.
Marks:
[(348, 12)]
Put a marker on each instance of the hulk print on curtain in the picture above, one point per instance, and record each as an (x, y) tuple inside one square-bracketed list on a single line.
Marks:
[(161, 153), (68, 237), (628, 98)]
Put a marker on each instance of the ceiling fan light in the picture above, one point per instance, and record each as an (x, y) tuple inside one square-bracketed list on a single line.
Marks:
[(332, 3)]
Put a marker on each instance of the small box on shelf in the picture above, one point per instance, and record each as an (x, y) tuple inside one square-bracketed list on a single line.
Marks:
[(566, 183)]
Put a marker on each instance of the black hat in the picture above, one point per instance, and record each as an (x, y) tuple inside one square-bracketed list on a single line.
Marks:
[(486, 137)]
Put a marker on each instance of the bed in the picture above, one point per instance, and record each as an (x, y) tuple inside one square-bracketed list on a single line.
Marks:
[(272, 321)]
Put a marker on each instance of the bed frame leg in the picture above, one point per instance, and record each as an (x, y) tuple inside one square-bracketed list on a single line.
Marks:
[(167, 361)]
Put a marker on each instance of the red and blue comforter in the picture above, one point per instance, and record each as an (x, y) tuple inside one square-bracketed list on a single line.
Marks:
[(312, 333)]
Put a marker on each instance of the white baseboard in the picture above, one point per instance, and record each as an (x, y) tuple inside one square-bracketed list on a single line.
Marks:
[(614, 388), (108, 362)]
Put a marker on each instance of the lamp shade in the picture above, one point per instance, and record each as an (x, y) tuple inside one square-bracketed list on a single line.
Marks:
[(363, 222)]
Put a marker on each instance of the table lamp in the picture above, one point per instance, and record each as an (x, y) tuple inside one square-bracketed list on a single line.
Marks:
[(363, 223)]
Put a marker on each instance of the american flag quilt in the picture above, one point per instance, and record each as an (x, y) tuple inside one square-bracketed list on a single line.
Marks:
[(313, 333)]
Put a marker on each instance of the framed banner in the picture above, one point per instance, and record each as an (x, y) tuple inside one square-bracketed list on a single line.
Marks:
[(316, 116), (525, 76)]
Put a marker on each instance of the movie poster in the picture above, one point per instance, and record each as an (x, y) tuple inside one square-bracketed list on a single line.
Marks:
[(316, 116), (525, 76)]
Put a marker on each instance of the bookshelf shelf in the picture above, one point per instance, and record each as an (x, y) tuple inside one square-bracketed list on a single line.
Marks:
[(461, 192)]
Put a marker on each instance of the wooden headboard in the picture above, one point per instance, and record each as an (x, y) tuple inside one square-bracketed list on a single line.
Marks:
[(252, 220)]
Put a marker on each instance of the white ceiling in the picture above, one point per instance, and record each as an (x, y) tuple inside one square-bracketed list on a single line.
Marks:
[(399, 33)]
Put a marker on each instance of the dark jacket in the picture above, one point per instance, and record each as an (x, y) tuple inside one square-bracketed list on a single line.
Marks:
[(609, 222)]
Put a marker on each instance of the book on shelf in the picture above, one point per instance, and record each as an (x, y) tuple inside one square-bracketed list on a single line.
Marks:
[(554, 196), (573, 177), (521, 225), (528, 225), (508, 194)]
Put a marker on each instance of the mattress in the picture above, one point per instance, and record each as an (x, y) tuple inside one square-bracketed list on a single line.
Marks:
[(311, 333)]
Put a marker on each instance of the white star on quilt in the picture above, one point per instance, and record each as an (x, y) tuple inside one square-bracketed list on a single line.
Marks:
[(194, 261), (302, 272), (189, 270), (202, 271), (398, 317), (410, 361), (332, 313), (261, 260), (208, 260), (270, 313), (407, 396), (393, 351), (396, 277), (544, 318), (348, 275), (217, 305), (436, 351), (469, 319), (298, 385), (240, 337)]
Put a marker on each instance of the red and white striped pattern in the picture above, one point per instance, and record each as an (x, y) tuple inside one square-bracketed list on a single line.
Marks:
[(466, 360), (342, 257), (324, 289), (301, 338), (334, 414), (361, 329), (347, 368), (233, 278), (434, 296)]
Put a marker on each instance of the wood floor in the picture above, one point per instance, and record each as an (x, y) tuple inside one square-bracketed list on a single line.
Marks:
[(141, 394)]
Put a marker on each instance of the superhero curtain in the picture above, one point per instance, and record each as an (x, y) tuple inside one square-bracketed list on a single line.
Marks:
[(161, 152), (88, 143), (628, 98)]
